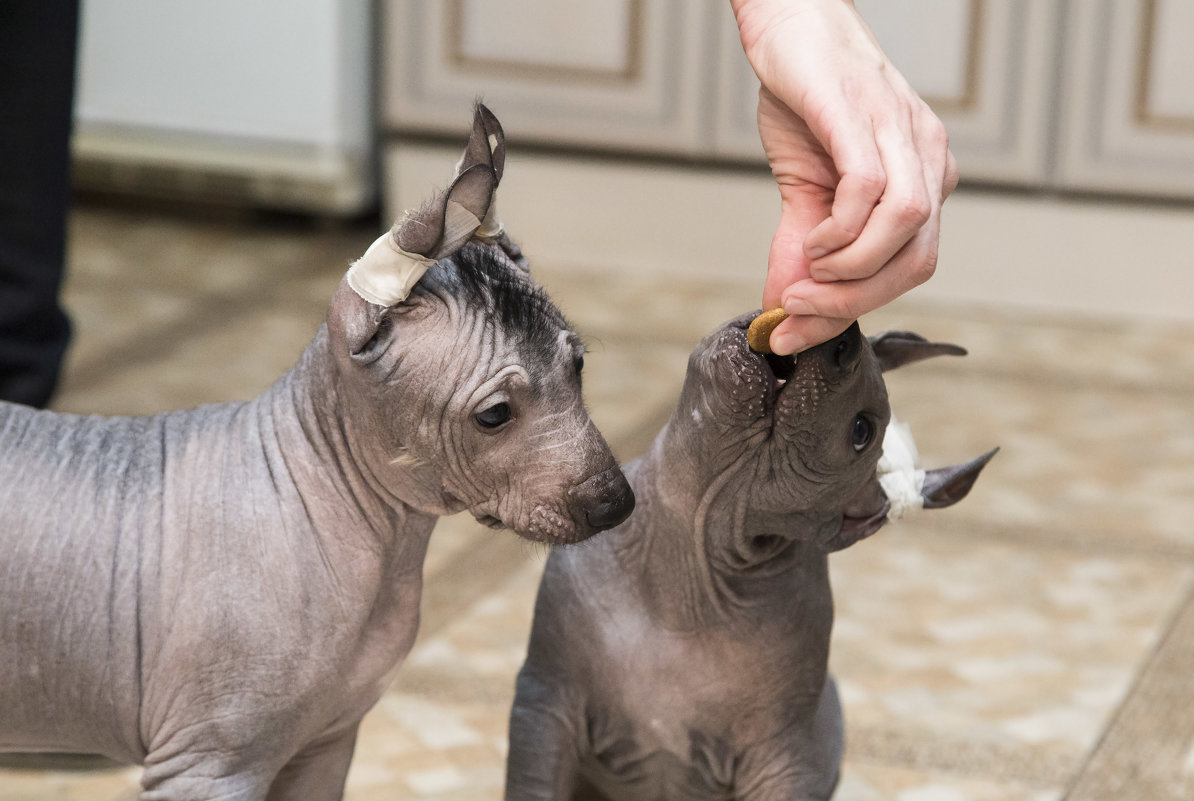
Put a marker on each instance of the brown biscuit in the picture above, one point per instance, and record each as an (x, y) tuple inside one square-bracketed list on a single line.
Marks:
[(758, 336)]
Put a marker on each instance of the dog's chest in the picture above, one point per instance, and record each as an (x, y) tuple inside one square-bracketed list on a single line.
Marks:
[(672, 713)]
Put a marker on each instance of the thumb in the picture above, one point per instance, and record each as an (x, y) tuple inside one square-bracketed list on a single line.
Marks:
[(802, 208)]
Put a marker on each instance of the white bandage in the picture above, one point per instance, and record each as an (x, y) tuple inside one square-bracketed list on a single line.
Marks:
[(899, 475), (460, 225), (491, 226), (386, 273)]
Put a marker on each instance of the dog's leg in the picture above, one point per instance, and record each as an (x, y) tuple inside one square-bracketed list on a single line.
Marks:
[(803, 767), (542, 765), (316, 773)]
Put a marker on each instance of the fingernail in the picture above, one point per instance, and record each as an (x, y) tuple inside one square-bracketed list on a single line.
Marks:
[(786, 343), (815, 253), (797, 307)]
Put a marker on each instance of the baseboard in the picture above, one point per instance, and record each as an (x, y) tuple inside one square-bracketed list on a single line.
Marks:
[(288, 176)]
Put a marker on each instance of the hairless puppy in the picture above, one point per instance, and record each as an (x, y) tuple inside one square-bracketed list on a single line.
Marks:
[(220, 594), (682, 656)]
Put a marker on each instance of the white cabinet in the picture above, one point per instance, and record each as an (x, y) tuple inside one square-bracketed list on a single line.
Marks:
[(267, 102), (624, 74), (1128, 97)]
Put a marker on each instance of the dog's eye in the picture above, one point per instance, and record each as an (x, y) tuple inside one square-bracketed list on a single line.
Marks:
[(862, 434), (580, 364), (494, 416)]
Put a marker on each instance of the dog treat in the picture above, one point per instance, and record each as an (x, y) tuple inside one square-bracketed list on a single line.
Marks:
[(758, 336)]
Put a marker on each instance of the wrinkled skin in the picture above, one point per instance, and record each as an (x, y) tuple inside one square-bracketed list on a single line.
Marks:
[(682, 656), (220, 594)]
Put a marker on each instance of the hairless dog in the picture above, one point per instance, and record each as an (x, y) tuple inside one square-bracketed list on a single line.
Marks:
[(220, 594), (683, 655)]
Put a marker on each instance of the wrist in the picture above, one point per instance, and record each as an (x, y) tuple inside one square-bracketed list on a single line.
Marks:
[(756, 17)]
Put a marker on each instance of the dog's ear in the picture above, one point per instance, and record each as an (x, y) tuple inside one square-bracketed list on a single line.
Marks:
[(486, 143), (897, 348), (444, 225), (384, 276), (466, 208), (945, 486)]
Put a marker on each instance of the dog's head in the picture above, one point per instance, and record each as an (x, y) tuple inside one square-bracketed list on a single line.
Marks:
[(781, 448), (459, 377)]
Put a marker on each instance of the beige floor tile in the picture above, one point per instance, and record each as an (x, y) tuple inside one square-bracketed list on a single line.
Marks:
[(863, 782), (1081, 463), (120, 784), (449, 707), (1018, 346), (452, 538), (1148, 752), (211, 251), (961, 646), (236, 360)]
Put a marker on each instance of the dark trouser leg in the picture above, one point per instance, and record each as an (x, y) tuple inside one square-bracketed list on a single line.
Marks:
[(37, 68)]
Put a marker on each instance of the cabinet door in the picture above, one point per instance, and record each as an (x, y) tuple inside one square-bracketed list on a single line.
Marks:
[(983, 65), (1128, 90), (619, 73)]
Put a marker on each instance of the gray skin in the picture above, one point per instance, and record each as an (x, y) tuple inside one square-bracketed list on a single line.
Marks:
[(683, 655), (220, 594)]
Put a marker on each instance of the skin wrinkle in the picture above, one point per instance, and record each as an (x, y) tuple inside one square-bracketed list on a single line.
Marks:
[(707, 579), (465, 481)]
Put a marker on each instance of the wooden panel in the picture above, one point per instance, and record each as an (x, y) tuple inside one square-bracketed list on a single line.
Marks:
[(936, 45), (1128, 111), (983, 65), (624, 74), (1167, 91), (597, 41)]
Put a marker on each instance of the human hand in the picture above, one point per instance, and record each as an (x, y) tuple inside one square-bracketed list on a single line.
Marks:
[(863, 166)]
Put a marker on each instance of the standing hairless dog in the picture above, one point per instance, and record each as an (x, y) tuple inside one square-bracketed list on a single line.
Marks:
[(220, 594)]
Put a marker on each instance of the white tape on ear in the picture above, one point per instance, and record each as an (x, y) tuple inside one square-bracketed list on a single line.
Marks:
[(901, 479), (386, 273), (491, 226), (459, 225)]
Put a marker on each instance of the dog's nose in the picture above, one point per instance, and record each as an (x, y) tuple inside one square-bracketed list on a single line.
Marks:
[(606, 499), (843, 350), (608, 514)]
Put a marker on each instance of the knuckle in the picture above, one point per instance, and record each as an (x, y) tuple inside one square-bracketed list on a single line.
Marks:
[(952, 176), (850, 307), (936, 135), (913, 211), (871, 180), (923, 269)]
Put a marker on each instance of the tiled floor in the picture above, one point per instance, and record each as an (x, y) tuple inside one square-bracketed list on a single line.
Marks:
[(1034, 642)]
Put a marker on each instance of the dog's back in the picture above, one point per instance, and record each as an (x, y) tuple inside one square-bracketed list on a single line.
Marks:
[(76, 496)]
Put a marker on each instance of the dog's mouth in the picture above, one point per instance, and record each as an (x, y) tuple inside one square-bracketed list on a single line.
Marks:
[(782, 368), (769, 372), (489, 521), (855, 529)]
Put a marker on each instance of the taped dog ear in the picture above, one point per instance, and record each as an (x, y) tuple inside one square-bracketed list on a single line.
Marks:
[(897, 348), (392, 265), (444, 225), (486, 143)]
